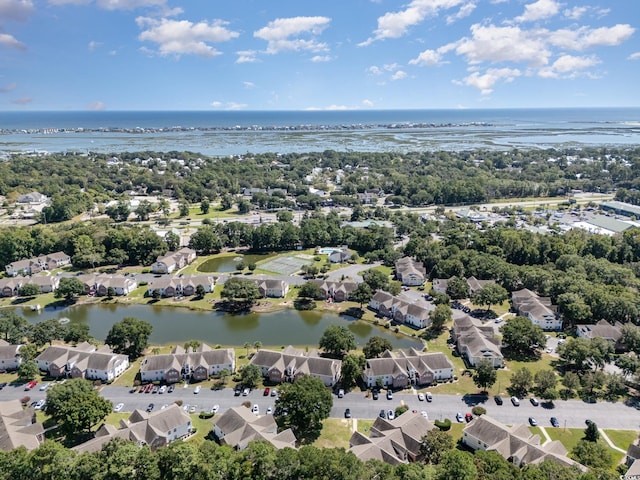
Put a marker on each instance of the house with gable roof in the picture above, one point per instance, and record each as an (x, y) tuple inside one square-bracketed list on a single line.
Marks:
[(156, 429), (289, 364), (272, 288), (31, 266), (173, 261), (82, 361), (337, 291), (603, 329), (10, 358), (394, 441), (401, 368), (516, 443), (100, 283), (475, 342), (410, 272), (539, 310), (185, 285), (238, 426), (18, 427), (195, 364)]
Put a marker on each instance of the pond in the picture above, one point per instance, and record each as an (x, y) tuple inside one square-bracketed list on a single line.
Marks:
[(179, 325), (228, 263)]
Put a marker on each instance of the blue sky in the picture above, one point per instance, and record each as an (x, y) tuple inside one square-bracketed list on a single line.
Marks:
[(329, 54)]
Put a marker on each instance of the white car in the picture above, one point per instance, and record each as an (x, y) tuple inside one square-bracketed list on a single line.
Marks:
[(39, 405), (163, 389), (215, 408), (391, 415), (429, 396), (269, 410), (185, 407), (197, 389), (192, 408), (255, 409), (118, 407), (421, 397), (424, 414), (459, 417), (44, 386)]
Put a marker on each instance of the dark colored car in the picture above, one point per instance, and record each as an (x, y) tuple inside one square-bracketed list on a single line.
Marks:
[(383, 414), (375, 394), (266, 392), (238, 390), (2, 385), (150, 407), (347, 413), (171, 388), (534, 401), (533, 422), (498, 400), (554, 422)]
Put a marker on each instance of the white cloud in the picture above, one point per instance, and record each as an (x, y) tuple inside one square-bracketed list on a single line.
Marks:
[(182, 37), (216, 104), (93, 45), (464, 12), (228, 105), (367, 103), (390, 67), (8, 87), (568, 66), (96, 106), (585, 37), (330, 107), (248, 84), (246, 56), (503, 44), (429, 58), (283, 34), (399, 75), (575, 13), (396, 24), (374, 70), (634, 56), (321, 58), (17, 10), (10, 41), (539, 11), (118, 4), (23, 100), (492, 76)]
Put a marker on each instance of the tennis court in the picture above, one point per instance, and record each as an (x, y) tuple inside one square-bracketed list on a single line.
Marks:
[(285, 265)]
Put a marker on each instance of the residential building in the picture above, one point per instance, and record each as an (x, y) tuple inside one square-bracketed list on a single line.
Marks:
[(194, 364), (476, 342), (402, 309), (155, 429), (633, 461), (272, 288), (410, 272), (185, 285), (336, 291), (46, 284), (31, 266), (440, 285), (238, 426), (10, 358), (100, 283), (173, 261), (33, 198), (18, 427), (289, 364), (340, 255), (516, 443), (82, 361), (537, 309), (401, 368), (394, 441), (603, 329), (10, 287)]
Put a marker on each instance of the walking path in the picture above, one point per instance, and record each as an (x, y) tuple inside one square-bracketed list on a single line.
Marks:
[(609, 442), (354, 425), (546, 435)]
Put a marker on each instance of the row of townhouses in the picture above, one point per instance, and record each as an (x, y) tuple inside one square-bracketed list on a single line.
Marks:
[(289, 364), (440, 285), (193, 364), (10, 358), (186, 285), (336, 291), (401, 368), (82, 361), (35, 265), (173, 261), (18, 426), (402, 309), (410, 272), (539, 310), (100, 283), (10, 286), (476, 342)]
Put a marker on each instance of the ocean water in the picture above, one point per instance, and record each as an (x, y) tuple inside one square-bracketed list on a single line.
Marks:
[(239, 132)]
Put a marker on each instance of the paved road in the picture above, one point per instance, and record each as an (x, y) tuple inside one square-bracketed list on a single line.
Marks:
[(572, 413)]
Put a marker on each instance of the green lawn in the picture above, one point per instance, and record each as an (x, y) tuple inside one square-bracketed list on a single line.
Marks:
[(622, 438), (364, 426), (336, 432)]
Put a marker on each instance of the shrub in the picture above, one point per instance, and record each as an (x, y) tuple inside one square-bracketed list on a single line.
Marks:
[(478, 410), (443, 425), (25, 400), (206, 415)]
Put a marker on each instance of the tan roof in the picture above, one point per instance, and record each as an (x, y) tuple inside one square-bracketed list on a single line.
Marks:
[(204, 355), (240, 426), (18, 427), (297, 360)]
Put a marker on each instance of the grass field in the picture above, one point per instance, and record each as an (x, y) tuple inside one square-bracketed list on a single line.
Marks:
[(336, 432)]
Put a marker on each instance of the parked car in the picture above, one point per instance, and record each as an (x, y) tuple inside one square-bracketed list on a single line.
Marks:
[(269, 410), (255, 409), (156, 389), (347, 413), (245, 392), (133, 390), (266, 392), (429, 396), (31, 384), (44, 386), (533, 422), (382, 413), (534, 401), (39, 404), (163, 389), (421, 396), (274, 392), (193, 408), (498, 400), (375, 394), (554, 422), (389, 395), (588, 421), (459, 417), (424, 414), (238, 390), (2, 385), (391, 415), (150, 407), (340, 393), (197, 389), (468, 417), (215, 408), (515, 401), (171, 388), (118, 407)]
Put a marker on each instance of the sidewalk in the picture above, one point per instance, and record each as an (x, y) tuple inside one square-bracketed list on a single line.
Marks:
[(609, 442), (546, 435)]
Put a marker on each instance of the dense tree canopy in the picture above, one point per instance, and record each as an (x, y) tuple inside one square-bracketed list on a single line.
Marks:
[(129, 336), (337, 340)]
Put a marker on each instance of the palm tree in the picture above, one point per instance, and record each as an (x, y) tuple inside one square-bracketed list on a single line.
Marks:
[(247, 346), (257, 345)]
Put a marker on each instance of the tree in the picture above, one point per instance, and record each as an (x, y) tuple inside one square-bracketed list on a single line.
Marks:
[(522, 337), (144, 209), (376, 279), (257, 345), (183, 209), (629, 363), (200, 291), (284, 216), (440, 316), (46, 331), (172, 239), (362, 294), (376, 346), (546, 381), (592, 454), (111, 292), (250, 375), (631, 338), (302, 406), (435, 444), (76, 406), (247, 346), (351, 370), (457, 288), (129, 336), (575, 352), (521, 382), (28, 371), (310, 291), (76, 333), (240, 292), (28, 352), (490, 294), (205, 205), (337, 340), (13, 327), (485, 375), (600, 351), (69, 288), (457, 465), (29, 290)]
